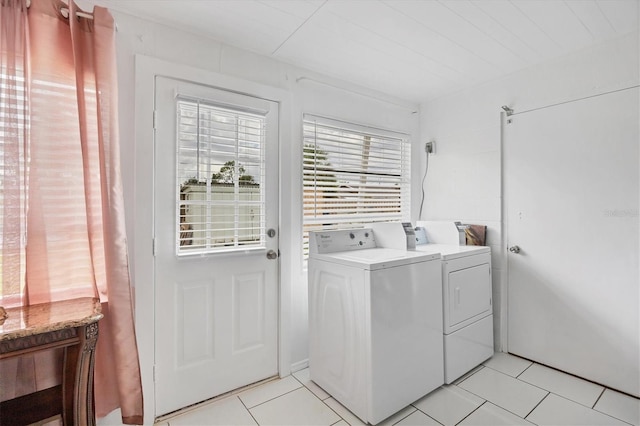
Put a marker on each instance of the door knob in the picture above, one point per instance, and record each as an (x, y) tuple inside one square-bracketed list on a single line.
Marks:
[(272, 254), (514, 249)]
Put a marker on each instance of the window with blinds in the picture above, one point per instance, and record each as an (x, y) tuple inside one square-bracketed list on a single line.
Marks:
[(220, 205), (14, 125), (352, 175), (43, 167)]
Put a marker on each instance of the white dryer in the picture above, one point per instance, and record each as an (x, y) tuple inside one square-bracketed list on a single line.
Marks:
[(375, 322), (467, 297)]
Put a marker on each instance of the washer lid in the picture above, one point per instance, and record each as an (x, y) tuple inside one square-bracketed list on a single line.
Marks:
[(451, 251), (376, 258)]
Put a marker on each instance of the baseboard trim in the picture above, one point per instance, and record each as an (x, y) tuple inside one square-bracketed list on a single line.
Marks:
[(300, 365)]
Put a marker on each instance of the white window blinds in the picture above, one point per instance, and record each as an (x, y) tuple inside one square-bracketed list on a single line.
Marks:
[(220, 170), (46, 172), (14, 126), (353, 175)]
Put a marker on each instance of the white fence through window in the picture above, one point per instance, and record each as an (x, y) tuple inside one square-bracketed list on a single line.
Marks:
[(220, 174)]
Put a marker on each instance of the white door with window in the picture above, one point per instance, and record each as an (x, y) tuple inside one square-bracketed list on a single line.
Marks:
[(216, 242)]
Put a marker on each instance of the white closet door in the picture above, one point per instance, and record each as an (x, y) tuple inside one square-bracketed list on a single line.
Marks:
[(571, 194)]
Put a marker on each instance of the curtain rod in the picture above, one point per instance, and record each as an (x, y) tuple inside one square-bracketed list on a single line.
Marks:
[(64, 11), (512, 112)]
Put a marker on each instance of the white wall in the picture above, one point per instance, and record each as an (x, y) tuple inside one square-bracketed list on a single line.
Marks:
[(464, 178), (310, 93)]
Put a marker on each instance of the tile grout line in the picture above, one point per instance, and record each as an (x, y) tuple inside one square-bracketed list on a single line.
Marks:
[(323, 401), (609, 414), (302, 386), (499, 406), (337, 414), (582, 405), (563, 396), (417, 409), (432, 418), (410, 405), (472, 393), (199, 405), (538, 404), (294, 376), (598, 399), (476, 409), (506, 374), (275, 397), (570, 374), (550, 392), (248, 411), (467, 375), (523, 371), (309, 389), (578, 403)]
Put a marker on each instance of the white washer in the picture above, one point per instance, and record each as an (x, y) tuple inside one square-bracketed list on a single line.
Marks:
[(375, 322), (467, 298)]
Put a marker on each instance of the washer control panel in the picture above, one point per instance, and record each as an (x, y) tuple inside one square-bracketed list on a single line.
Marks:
[(341, 240)]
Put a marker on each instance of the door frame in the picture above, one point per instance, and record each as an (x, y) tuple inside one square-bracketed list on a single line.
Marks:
[(143, 267), (504, 238)]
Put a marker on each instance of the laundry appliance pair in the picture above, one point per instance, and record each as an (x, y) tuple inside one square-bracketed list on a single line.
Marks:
[(467, 297), (388, 325)]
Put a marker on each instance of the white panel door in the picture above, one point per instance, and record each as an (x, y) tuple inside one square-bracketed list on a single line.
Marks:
[(216, 197), (571, 192)]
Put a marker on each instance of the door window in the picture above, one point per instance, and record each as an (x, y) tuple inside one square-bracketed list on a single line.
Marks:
[(220, 171)]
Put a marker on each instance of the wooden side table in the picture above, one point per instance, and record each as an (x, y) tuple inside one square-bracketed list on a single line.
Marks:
[(71, 325)]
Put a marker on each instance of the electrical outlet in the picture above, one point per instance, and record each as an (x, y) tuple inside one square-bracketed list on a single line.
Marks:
[(430, 147)]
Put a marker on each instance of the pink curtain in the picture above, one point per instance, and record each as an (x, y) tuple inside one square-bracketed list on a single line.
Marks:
[(72, 191)]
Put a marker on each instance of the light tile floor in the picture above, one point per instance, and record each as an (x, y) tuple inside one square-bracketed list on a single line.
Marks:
[(505, 390)]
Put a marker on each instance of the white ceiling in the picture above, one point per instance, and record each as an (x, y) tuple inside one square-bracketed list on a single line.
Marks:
[(413, 49)]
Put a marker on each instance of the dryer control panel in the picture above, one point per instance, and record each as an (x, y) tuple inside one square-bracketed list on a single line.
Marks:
[(341, 240)]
